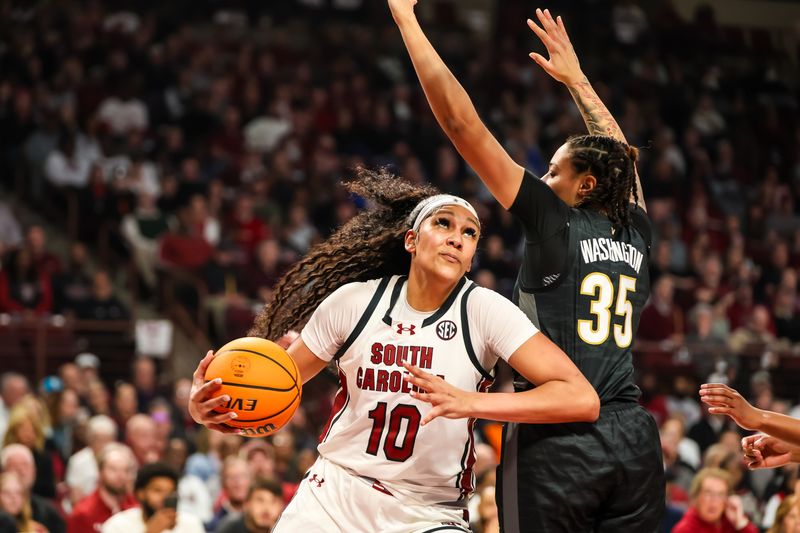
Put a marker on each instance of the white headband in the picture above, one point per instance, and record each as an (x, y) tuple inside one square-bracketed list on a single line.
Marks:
[(431, 204)]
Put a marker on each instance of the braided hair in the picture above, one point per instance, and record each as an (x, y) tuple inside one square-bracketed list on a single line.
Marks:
[(612, 163), (368, 246)]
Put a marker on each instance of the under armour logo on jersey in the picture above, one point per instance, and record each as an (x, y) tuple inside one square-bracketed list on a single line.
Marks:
[(446, 329), (318, 480), (409, 329)]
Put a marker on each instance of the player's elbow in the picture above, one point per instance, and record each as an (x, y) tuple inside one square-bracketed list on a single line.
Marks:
[(590, 404)]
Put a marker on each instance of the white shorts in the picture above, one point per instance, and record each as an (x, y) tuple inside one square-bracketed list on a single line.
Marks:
[(331, 499)]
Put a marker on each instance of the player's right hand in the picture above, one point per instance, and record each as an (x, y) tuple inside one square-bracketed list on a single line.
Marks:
[(201, 402), (402, 8), (763, 451)]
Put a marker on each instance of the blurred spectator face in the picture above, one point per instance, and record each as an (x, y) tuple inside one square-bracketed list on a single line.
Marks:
[(117, 471), (244, 208), (78, 254), (14, 388), (236, 480), (102, 431), (141, 435), (125, 401), (13, 495), (98, 398), (25, 433), (664, 289), (19, 460), (71, 378), (711, 499), (262, 510), (780, 255), (261, 461), (144, 374), (704, 320), (486, 279), (152, 496), (268, 254), (183, 388), (102, 289), (190, 169), (494, 247), (176, 454), (36, 239), (68, 405), (760, 319)]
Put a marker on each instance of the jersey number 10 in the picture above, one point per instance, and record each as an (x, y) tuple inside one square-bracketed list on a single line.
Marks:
[(601, 288), (391, 449)]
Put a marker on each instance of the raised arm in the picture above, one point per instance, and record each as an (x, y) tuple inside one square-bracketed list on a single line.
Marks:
[(564, 66), (455, 112)]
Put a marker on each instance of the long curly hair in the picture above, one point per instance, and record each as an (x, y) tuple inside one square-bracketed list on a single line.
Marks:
[(613, 164), (368, 246)]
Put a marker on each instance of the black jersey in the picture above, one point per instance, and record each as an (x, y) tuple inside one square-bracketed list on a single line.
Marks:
[(584, 284)]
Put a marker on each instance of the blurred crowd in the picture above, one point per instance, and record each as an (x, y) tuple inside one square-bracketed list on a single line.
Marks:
[(201, 148)]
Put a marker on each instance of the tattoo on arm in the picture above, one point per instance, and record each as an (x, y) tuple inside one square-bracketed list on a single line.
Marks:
[(597, 117)]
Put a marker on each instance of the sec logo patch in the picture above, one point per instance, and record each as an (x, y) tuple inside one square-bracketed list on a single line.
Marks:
[(446, 329)]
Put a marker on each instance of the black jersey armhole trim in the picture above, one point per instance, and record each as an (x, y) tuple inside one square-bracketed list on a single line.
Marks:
[(362, 322), (398, 286), (446, 305), (572, 252), (467, 337)]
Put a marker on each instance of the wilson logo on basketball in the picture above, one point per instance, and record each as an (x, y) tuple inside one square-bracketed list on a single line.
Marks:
[(239, 366), (446, 329), (259, 430)]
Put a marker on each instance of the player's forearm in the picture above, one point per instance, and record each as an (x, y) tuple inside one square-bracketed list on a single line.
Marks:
[(596, 115), (551, 402), (781, 427), (448, 100)]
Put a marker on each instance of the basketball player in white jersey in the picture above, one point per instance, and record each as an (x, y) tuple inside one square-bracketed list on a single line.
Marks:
[(387, 462)]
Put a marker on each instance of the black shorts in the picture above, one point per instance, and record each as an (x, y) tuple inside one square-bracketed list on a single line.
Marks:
[(604, 477)]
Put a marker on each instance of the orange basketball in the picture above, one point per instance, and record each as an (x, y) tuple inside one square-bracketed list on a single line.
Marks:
[(263, 383)]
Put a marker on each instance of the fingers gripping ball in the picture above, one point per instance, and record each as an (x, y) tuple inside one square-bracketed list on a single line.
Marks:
[(262, 381)]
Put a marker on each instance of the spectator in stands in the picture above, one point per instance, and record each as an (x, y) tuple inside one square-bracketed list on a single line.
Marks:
[(787, 518), (82, 468), (141, 229), (714, 509), (14, 504), (193, 494), (141, 436), (260, 456), (661, 319), (42, 258), (65, 411), (18, 459), (23, 287), (73, 287), (154, 488), (27, 427), (260, 276), (145, 381), (262, 508), (126, 403), (236, 478), (13, 387), (103, 303), (10, 229), (98, 398), (68, 166), (787, 318), (246, 230), (116, 466), (757, 334)]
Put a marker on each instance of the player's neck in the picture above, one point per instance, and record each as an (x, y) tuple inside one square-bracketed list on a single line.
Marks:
[(427, 293)]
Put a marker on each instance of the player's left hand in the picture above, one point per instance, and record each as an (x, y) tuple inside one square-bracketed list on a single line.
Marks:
[(563, 64), (447, 401), (723, 400)]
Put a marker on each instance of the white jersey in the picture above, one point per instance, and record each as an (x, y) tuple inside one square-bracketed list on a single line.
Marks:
[(374, 429)]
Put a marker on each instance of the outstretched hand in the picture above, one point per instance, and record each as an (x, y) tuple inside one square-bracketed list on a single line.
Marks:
[(401, 8), (763, 451), (563, 64), (447, 401), (201, 402), (723, 400)]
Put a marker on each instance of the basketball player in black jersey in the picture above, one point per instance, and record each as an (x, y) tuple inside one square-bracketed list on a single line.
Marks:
[(584, 282)]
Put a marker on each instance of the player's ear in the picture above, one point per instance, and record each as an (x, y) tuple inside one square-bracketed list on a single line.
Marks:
[(410, 241), (588, 183)]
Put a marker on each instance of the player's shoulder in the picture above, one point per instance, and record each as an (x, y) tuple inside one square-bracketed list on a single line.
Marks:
[(481, 298)]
